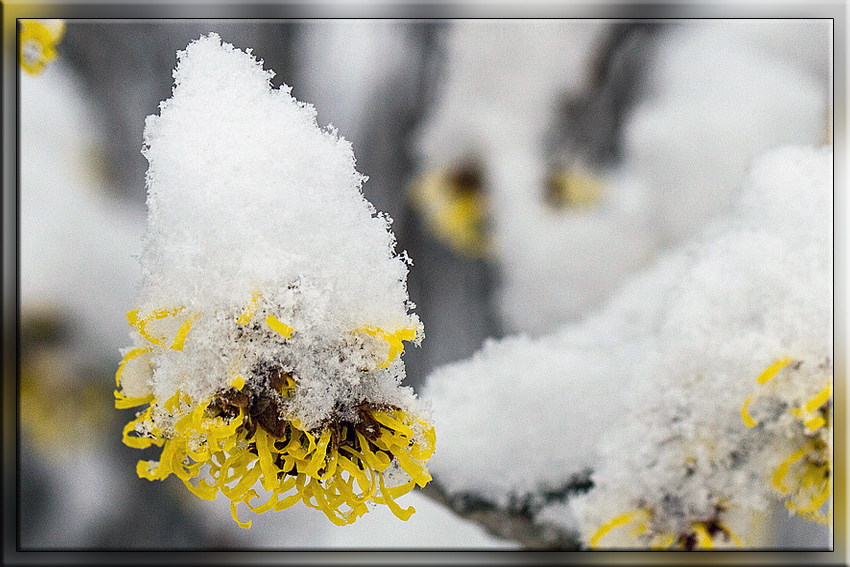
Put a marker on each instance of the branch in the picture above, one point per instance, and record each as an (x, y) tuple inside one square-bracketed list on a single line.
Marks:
[(517, 521)]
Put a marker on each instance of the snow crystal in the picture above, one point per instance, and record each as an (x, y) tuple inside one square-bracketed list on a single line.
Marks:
[(256, 212)]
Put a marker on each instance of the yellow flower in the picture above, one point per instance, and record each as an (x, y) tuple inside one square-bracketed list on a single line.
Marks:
[(38, 39), (60, 430), (352, 459), (574, 188), (701, 534), (455, 209), (805, 476)]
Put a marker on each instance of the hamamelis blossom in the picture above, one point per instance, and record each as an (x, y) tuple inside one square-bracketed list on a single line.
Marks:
[(723, 430), (785, 408), (793, 400), (337, 466), (269, 329), (454, 206), (38, 39)]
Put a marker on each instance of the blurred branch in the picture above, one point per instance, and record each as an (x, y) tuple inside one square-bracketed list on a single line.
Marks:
[(517, 521)]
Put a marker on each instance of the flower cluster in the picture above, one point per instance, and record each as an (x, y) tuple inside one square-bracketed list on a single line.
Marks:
[(454, 203), (245, 434), (273, 310), (784, 414)]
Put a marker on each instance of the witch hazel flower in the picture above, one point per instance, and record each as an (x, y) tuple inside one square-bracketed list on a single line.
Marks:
[(273, 312), (692, 483), (733, 406), (793, 400), (701, 503), (38, 40)]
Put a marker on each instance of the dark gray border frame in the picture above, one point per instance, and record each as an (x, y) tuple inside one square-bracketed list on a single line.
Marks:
[(119, 11)]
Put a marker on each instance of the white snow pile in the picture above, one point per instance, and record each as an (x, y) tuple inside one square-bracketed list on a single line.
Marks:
[(649, 391), (261, 244)]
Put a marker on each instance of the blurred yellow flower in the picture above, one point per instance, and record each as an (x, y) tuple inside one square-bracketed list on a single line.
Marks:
[(38, 39), (455, 209), (574, 188)]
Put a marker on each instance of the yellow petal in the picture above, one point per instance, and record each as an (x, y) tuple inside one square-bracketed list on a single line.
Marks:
[(134, 353), (773, 369), (245, 318), (745, 415), (703, 538), (782, 469), (123, 403), (180, 337), (620, 520), (245, 525), (279, 327), (815, 423), (819, 399)]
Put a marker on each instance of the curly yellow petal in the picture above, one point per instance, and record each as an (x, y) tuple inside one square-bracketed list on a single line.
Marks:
[(141, 324), (782, 470), (245, 525), (122, 402), (745, 414), (394, 340), (132, 354), (182, 332), (386, 498), (773, 369), (621, 520)]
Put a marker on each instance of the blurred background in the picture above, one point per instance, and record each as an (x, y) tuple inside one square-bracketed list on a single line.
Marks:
[(529, 167)]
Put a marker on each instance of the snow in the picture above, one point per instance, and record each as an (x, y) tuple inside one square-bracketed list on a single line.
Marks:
[(714, 100), (717, 94), (503, 79), (348, 64), (649, 389), (524, 412), (250, 200)]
